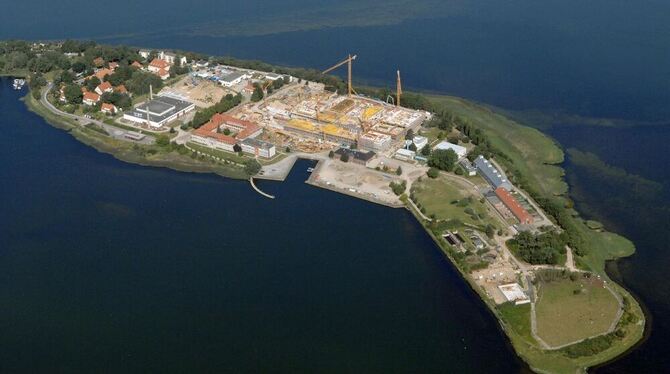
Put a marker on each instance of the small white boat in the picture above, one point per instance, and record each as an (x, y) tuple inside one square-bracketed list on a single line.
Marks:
[(18, 83), (309, 170)]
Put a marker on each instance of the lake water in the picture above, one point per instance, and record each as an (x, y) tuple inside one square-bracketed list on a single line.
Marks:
[(112, 267), (598, 58)]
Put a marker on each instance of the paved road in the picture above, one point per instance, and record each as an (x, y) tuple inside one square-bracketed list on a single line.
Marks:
[(113, 131)]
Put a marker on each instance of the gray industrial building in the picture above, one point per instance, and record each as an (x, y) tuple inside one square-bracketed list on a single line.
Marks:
[(492, 175)]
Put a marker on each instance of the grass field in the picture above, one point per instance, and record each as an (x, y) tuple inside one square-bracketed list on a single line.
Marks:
[(568, 311), (437, 196)]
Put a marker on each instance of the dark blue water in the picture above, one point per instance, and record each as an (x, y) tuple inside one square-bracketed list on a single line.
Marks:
[(112, 267)]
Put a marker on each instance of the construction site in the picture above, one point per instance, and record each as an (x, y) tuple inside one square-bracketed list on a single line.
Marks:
[(308, 118)]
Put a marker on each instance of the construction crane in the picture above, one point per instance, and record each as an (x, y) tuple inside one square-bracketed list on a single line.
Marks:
[(347, 61), (398, 89)]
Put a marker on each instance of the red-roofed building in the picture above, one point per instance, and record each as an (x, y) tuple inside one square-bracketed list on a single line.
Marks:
[(136, 64), (209, 135), (121, 89), (513, 205), (104, 87), (113, 65), (108, 108), (163, 74), (157, 64), (100, 74), (90, 98)]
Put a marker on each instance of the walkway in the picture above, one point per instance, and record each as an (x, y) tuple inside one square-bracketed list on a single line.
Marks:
[(112, 131), (251, 180)]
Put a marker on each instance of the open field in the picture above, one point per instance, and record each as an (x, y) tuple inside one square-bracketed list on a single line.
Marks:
[(448, 199), (568, 311)]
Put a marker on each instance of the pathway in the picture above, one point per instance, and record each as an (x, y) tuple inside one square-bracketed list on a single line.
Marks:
[(113, 131)]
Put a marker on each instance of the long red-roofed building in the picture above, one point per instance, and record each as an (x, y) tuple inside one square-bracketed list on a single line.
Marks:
[(209, 135), (513, 205)]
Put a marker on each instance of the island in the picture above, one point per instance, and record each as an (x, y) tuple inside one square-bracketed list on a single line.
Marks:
[(487, 189)]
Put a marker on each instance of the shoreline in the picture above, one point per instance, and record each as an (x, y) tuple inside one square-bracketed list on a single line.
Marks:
[(288, 163)]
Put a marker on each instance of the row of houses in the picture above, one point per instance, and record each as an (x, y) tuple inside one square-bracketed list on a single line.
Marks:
[(502, 189)]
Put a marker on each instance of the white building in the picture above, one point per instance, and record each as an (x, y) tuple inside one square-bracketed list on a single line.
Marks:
[(460, 151), (144, 53), (420, 141), (404, 154), (159, 112), (258, 148), (233, 79)]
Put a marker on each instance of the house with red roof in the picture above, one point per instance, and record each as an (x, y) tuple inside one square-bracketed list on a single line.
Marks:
[(136, 64), (113, 65), (104, 87), (101, 73), (121, 89), (90, 98), (163, 74), (157, 64), (212, 134), (108, 108)]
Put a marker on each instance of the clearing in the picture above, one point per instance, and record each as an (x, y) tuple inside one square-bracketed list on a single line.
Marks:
[(568, 311)]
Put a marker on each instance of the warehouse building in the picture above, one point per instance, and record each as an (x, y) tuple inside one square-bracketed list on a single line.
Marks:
[(159, 111), (492, 175), (460, 151), (513, 205), (355, 156)]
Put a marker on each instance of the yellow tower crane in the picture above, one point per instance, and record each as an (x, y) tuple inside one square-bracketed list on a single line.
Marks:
[(347, 61), (398, 92)]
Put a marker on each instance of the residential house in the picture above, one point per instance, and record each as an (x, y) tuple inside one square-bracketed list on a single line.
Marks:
[(104, 87), (90, 98), (157, 64), (108, 108)]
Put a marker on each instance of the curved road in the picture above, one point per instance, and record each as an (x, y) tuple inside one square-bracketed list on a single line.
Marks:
[(113, 131)]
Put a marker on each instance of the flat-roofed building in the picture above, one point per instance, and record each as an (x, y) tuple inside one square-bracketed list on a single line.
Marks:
[(404, 154), (232, 79), (356, 156), (420, 141), (459, 150), (375, 141), (258, 148), (211, 134), (491, 174), (160, 111)]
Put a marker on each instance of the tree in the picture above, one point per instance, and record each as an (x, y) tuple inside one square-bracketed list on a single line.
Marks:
[(237, 148), (252, 167), (258, 93), (398, 171), (78, 67), (443, 159), (412, 147), (425, 151), (73, 94), (344, 157), (433, 173), (490, 231), (288, 149), (162, 140), (331, 154), (409, 135), (92, 83)]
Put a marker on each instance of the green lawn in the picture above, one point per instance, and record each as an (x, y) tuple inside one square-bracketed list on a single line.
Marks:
[(518, 318), (564, 317), (437, 197)]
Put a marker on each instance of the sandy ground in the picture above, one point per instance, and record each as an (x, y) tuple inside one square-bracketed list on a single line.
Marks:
[(204, 94), (499, 272), (356, 180)]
